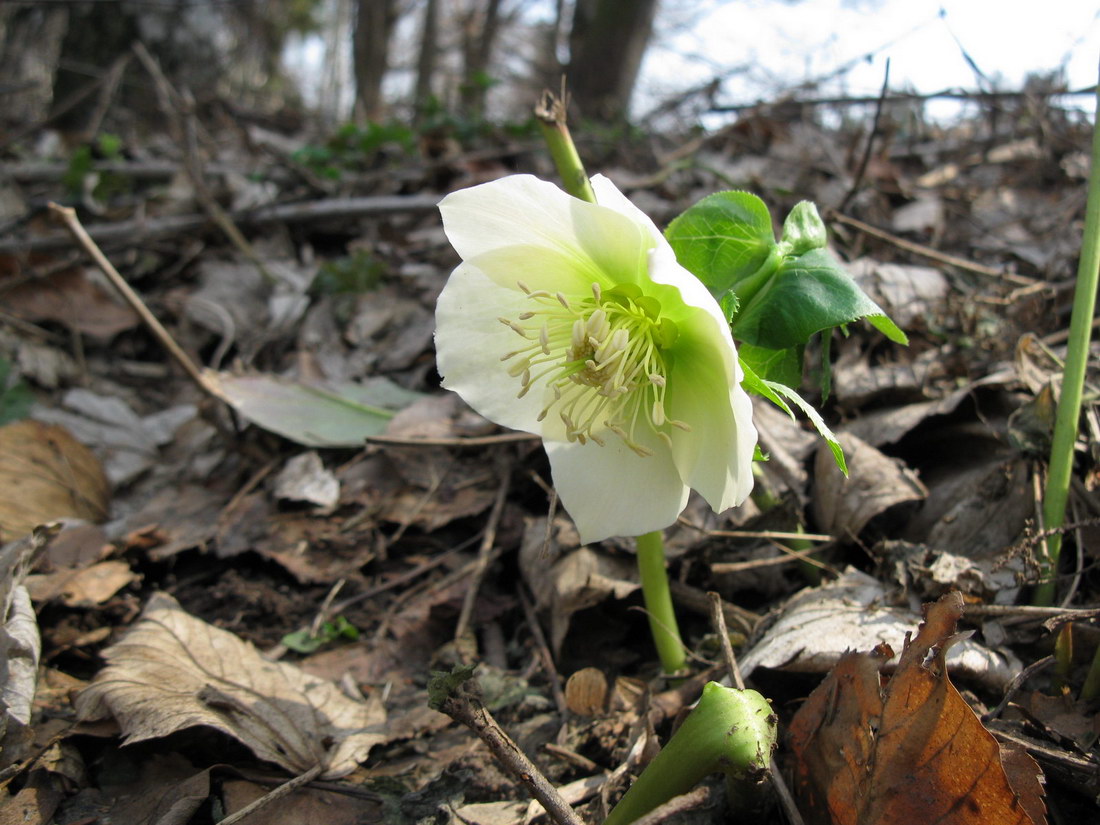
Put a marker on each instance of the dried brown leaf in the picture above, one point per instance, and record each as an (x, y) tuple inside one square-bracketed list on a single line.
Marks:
[(914, 752), (173, 671), (46, 475)]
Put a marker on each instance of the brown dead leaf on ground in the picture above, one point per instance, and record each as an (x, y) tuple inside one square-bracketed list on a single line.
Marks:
[(914, 752), (46, 475), (173, 671)]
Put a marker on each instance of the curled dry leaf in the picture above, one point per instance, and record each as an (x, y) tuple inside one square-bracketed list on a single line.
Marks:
[(913, 752), (173, 671)]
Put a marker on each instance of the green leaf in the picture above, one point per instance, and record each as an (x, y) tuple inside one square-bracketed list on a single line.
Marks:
[(807, 294), (314, 415), (16, 398), (782, 365), (723, 239), (442, 685), (302, 641), (815, 419), (779, 394), (753, 383), (803, 230)]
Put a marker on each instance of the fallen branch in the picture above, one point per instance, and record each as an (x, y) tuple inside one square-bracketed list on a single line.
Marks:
[(136, 231), (451, 693)]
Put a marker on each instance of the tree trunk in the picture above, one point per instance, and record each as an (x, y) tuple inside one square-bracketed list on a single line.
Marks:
[(373, 26), (607, 42), (480, 32), (425, 63)]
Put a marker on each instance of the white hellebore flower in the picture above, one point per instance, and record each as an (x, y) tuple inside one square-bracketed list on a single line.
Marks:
[(573, 321)]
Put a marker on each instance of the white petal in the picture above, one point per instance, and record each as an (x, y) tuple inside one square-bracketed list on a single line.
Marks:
[(612, 491), (523, 228), (715, 456), (469, 343), (663, 268)]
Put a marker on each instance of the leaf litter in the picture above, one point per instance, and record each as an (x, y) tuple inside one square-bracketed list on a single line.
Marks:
[(378, 527)]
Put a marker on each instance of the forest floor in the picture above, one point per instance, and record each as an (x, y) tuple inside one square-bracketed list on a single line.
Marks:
[(255, 590)]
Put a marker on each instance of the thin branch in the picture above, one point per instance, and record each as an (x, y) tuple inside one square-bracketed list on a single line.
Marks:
[(272, 796), (137, 231), (67, 215), (858, 180), (718, 622), (467, 709), (484, 557), (933, 254)]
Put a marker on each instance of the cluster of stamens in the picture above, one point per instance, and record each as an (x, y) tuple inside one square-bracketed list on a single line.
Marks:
[(601, 360)]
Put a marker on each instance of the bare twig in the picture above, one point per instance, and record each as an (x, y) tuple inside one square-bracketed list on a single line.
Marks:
[(271, 796), (484, 557), (179, 109), (858, 180), (467, 709), (543, 650), (136, 231), (1016, 683), (933, 254), (457, 441), (718, 622), (67, 215), (689, 801)]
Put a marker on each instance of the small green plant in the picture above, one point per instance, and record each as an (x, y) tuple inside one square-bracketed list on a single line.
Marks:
[(353, 275), (16, 398), (354, 148), (82, 164), (304, 641)]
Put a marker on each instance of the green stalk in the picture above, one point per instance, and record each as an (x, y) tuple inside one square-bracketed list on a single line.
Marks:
[(550, 114), (658, 602), (1073, 377), (730, 730)]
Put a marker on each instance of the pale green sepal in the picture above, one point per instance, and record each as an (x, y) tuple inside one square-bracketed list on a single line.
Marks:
[(803, 230)]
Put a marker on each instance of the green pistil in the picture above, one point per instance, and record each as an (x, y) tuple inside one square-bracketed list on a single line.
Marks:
[(601, 357)]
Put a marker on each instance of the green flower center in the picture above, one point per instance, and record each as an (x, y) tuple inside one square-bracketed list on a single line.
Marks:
[(602, 359)]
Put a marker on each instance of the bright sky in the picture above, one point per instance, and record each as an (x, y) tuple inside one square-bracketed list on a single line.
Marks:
[(788, 43)]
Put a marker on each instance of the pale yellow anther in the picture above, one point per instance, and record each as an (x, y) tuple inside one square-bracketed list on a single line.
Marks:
[(602, 363), (578, 334)]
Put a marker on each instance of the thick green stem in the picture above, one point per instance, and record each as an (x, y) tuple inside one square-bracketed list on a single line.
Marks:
[(658, 602), (550, 114), (730, 730), (1073, 377)]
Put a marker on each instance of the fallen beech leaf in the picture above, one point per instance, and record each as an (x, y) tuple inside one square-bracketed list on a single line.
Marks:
[(818, 625), (914, 752), (173, 671), (46, 475), (84, 587)]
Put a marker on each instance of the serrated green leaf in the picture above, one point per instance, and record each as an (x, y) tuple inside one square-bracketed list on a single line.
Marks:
[(815, 419), (723, 239), (753, 383), (782, 365), (806, 295)]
